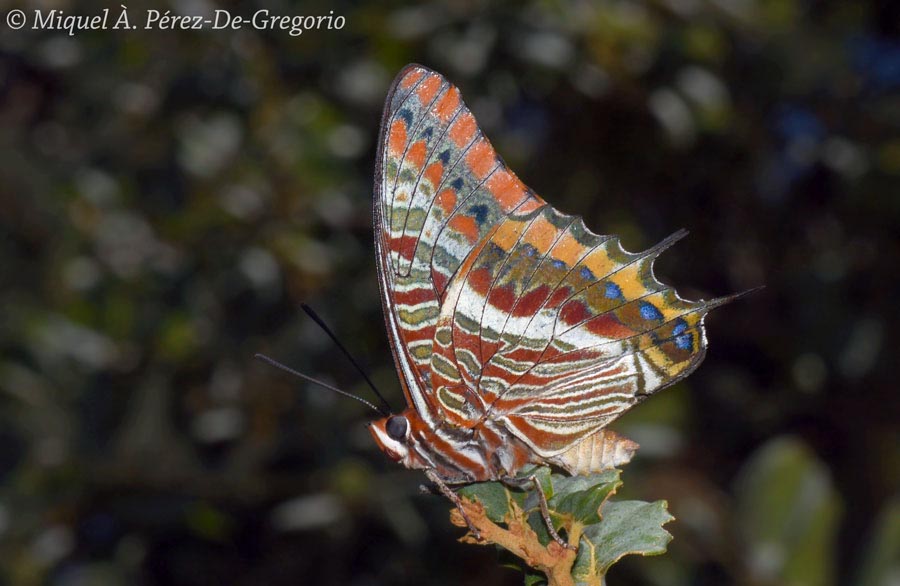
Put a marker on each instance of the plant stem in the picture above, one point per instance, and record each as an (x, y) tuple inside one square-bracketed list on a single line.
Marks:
[(520, 539)]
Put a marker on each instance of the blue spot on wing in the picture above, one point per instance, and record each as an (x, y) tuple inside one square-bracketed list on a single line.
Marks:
[(445, 157), (457, 183), (479, 212), (428, 132), (406, 115), (683, 341), (613, 291), (586, 274), (558, 263), (649, 311)]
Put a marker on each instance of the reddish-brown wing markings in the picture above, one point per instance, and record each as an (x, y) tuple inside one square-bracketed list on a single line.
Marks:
[(555, 334), (411, 133), (648, 255), (472, 258), (635, 348), (540, 262), (460, 202), (437, 188), (487, 248), (386, 126), (508, 345)]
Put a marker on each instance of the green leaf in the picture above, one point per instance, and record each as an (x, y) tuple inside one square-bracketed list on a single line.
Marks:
[(788, 512), (626, 527), (494, 496), (881, 563), (535, 579), (536, 521), (582, 496), (531, 576), (545, 478), (570, 484), (530, 500)]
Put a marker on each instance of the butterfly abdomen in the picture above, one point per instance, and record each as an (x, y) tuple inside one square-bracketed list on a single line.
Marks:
[(604, 450)]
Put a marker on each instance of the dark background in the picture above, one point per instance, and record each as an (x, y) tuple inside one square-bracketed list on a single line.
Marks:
[(168, 198)]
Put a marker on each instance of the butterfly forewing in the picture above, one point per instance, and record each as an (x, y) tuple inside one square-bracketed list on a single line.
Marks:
[(499, 307), (440, 189)]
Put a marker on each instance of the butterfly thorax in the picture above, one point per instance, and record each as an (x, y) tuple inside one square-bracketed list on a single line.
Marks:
[(483, 452)]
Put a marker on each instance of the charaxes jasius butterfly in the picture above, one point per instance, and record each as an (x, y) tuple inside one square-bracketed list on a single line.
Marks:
[(519, 334)]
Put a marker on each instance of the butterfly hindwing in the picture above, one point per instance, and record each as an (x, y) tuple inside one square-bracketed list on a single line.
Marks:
[(549, 345)]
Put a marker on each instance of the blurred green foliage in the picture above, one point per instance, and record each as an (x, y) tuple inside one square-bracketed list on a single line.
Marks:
[(788, 511), (169, 198)]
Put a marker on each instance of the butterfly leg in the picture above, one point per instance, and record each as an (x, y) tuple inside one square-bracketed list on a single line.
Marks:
[(545, 508), (454, 498)]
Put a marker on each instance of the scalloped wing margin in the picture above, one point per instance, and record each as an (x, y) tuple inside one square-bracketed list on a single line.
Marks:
[(560, 331)]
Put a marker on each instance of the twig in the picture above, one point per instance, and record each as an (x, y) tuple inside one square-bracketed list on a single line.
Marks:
[(519, 538)]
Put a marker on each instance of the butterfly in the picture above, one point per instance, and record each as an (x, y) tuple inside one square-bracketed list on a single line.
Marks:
[(519, 335)]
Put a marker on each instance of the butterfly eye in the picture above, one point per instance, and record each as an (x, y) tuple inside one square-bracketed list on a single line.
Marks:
[(397, 426)]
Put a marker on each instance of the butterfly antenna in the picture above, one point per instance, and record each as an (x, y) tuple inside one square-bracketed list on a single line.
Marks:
[(280, 366), (309, 311)]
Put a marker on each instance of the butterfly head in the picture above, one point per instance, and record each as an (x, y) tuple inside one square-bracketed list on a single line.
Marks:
[(395, 438)]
